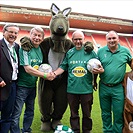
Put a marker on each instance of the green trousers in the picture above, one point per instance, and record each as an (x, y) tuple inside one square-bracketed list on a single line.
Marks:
[(112, 106)]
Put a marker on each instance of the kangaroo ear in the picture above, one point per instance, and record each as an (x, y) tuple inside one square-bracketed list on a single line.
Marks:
[(54, 9), (67, 11)]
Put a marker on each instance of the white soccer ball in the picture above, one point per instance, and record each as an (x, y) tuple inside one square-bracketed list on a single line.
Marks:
[(63, 129), (45, 68), (93, 63)]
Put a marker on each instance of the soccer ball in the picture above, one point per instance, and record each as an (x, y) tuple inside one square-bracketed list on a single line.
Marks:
[(93, 63), (63, 129), (45, 68)]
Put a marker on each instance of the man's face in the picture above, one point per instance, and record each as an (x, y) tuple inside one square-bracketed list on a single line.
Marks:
[(11, 33), (78, 40), (36, 37), (112, 40)]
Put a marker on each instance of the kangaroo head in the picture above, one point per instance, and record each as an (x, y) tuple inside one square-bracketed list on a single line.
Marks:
[(59, 24)]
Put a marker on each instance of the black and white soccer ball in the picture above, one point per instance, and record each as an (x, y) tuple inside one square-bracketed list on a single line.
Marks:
[(45, 68), (93, 63), (63, 129)]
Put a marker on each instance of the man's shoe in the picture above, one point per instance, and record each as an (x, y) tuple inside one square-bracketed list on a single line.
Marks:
[(46, 126), (55, 123)]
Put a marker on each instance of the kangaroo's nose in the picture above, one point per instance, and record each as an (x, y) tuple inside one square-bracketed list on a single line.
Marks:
[(60, 27)]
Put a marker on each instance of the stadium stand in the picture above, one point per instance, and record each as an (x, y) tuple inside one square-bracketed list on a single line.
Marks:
[(97, 39), (100, 39), (94, 26), (130, 40)]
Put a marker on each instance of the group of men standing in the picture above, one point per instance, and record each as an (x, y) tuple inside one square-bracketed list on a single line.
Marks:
[(19, 72)]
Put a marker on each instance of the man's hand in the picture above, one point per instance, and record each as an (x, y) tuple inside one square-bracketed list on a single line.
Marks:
[(98, 70), (2, 84), (51, 76)]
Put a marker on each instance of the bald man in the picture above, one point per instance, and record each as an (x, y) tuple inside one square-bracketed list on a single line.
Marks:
[(79, 88)]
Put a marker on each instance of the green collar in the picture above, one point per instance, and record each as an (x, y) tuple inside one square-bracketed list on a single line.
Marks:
[(119, 47)]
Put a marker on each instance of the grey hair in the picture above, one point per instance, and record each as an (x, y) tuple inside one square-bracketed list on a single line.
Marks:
[(9, 25), (37, 28), (112, 31), (78, 31)]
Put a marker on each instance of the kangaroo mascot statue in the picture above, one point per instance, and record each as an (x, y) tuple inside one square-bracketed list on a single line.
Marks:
[(53, 94)]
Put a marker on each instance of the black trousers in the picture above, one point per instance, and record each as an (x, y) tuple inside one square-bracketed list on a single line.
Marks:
[(86, 101), (6, 108)]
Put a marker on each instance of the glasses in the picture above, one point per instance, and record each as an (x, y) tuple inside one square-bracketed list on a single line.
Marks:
[(11, 32), (77, 39), (111, 38)]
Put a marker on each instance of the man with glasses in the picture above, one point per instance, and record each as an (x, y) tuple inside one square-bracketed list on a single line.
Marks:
[(80, 87), (8, 74)]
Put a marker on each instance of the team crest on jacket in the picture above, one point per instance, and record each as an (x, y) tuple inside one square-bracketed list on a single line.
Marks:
[(79, 71)]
